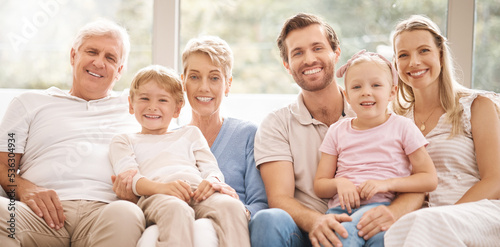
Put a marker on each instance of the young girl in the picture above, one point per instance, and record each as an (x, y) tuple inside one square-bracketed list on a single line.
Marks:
[(366, 159), (176, 169)]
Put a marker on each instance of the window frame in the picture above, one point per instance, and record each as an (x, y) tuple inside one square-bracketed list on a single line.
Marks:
[(460, 34)]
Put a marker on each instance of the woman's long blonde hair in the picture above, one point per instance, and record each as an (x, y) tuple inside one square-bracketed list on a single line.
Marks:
[(450, 91)]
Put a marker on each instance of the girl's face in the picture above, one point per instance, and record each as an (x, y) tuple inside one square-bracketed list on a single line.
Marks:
[(418, 59), (205, 84), (369, 89), (154, 108)]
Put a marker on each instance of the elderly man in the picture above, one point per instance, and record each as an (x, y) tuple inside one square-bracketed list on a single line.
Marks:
[(59, 141)]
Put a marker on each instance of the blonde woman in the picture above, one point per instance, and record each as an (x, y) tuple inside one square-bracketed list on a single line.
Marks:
[(463, 130), (207, 78)]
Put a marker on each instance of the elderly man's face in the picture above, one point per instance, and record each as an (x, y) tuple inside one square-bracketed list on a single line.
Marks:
[(97, 64)]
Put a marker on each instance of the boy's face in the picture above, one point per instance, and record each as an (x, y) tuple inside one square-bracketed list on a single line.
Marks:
[(153, 108)]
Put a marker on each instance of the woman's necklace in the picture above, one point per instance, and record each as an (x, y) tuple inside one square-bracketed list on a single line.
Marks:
[(422, 126)]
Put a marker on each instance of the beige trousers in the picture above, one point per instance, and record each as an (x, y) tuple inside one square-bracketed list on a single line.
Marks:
[(88, 223), (175, 219)]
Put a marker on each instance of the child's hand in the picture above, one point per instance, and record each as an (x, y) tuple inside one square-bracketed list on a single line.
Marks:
[(348, 194), (204, 191), (179, 189), (371, 187)]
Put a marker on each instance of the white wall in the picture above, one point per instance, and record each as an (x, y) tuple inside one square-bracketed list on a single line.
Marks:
[(252, 107)]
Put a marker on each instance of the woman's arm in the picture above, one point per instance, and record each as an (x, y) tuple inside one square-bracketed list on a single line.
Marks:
[(486, 136)]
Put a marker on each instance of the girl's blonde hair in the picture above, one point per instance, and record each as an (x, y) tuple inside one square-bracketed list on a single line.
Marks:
[(377, 59), (450, 91), (165, 77)]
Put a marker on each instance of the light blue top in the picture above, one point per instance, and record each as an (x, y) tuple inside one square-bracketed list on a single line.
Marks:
[(233, 149)]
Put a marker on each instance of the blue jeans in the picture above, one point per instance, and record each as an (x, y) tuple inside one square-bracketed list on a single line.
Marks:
[(275, 227), (354, 239)]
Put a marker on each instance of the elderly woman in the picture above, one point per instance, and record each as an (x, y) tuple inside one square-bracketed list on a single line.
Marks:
[(463, 130), (207, 79)]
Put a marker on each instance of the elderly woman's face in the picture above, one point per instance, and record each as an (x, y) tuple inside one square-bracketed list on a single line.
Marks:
[(205, 84)]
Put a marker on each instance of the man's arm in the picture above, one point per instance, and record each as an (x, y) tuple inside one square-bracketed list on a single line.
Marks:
[(279, 181), (381, 218), (44, 202)]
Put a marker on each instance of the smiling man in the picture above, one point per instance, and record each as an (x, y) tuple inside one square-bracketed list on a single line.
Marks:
[(287, 147), (59, 141), (97, 65)]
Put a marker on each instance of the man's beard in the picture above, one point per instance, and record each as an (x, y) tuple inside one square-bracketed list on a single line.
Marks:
[(325, 81)]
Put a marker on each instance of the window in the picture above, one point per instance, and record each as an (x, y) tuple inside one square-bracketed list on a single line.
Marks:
[(486, 74), (251, 29), (36, 36)]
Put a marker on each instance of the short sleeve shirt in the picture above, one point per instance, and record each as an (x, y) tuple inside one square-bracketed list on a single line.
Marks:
[(291, 134)]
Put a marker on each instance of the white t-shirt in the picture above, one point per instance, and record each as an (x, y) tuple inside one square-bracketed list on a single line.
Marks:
[(64, 140), (181, 154)]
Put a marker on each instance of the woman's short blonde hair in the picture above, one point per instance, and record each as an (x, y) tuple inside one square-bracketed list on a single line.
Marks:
[(216, 48)]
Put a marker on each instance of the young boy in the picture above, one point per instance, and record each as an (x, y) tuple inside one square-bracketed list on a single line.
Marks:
[(175, 169)]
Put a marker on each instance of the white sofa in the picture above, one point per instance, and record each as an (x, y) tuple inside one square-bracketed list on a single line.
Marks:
[(204, 235)]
